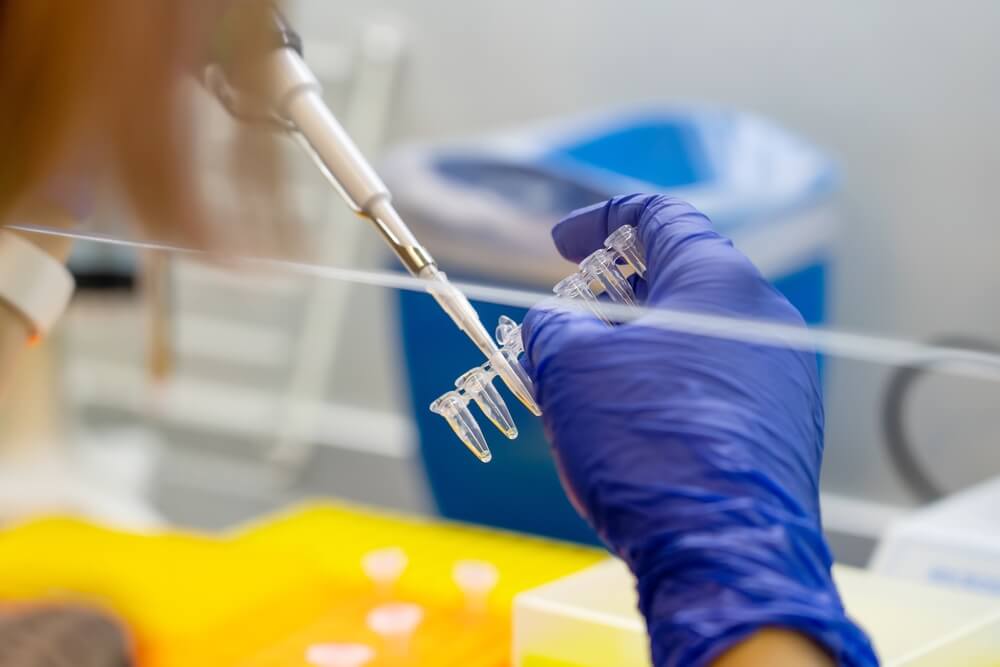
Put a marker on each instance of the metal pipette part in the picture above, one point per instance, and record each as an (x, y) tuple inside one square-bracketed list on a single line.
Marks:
[(294, 94)]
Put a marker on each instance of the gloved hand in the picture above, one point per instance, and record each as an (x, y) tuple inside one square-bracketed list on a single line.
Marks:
[(695, 459)]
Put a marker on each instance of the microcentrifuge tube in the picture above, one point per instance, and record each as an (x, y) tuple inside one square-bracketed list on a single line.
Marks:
[(478, 384), (455, 409), (578, 287), (509, 335), (510, 370), (600, 266), (625, 241), (384, 567), (395, 623), (476, 579), (339, 655)]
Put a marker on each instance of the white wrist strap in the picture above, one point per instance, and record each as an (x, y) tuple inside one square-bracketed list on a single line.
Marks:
[(32, 282)]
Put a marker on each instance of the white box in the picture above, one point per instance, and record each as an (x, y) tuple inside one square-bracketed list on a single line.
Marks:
[(589, 619), (954, 542)]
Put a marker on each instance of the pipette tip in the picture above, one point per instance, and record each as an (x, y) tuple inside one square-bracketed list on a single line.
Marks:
[(505, 363)]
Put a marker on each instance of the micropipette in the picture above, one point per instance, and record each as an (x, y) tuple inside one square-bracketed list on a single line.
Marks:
[(293, 97), (605, 271)]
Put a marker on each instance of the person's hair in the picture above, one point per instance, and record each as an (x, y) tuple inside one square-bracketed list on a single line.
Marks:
[(101, 90)]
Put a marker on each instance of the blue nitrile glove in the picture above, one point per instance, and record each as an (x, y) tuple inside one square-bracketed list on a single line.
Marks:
[(696, 459)]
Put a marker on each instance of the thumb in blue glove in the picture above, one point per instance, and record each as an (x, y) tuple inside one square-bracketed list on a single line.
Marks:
[(695, 459)]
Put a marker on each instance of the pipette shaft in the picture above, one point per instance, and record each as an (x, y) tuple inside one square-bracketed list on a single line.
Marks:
[(295, 95)]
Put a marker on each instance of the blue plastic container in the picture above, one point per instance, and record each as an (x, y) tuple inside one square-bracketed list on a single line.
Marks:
[(485, 209)]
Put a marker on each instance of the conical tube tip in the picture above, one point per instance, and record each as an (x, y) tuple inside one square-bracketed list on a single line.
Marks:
[(455, 409)]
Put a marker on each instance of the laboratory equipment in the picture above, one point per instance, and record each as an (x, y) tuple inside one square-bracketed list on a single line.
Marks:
[(577, 287), (289, 97), (339, 655), (552, 600), (605, 271), (454, 407), (625, 240), (476, 579), (953, 542), (508, 334), (486, 206), (590, 619), (476, 384), (218, 605), (395, 623), (384, 567), (602, 267)]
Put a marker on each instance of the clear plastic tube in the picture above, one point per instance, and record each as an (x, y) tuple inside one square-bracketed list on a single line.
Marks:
[(455, 409), (462, 313), (626, 242), (477, 384), (601, 267), (577, 287)]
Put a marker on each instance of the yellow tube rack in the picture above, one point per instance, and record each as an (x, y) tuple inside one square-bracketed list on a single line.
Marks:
[(260, 595)]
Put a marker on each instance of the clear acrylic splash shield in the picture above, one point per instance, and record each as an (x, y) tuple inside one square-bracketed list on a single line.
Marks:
[(915, 418), (918, 427)]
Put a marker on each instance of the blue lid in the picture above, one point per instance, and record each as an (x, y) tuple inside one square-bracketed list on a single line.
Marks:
[(735, 166), (667, 153), (487, 202)]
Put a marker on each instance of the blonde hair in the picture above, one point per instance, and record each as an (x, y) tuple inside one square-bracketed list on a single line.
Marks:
[(98, 89)]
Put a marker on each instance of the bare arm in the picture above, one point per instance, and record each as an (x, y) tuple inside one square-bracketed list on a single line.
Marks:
[(775, 648)]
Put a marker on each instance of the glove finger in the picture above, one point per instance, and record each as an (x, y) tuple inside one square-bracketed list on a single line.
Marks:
[(583, 231), (682, 249), (549, 329), (690, 265)]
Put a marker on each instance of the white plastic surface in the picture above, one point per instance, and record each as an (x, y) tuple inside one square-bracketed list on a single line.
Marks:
[(954, 542), (589, 619)]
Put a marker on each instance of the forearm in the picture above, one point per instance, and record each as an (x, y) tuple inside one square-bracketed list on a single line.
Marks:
[(14, 335), (720, 594), (776, 648)]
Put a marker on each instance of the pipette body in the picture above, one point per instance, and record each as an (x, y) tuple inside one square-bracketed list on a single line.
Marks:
[(295, 96)]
